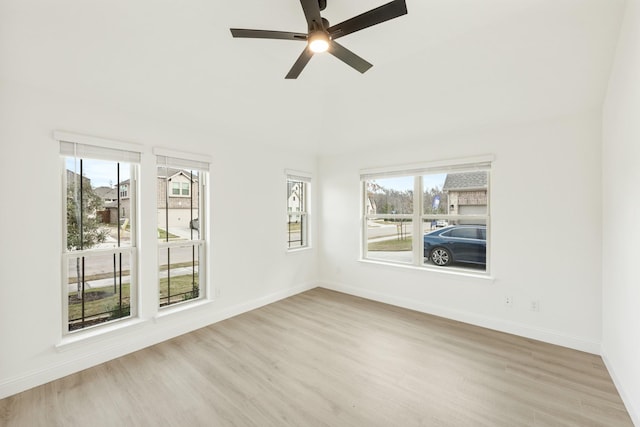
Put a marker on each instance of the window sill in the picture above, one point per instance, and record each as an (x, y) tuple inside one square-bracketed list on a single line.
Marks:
[(448, 272), (96, 334), (299, 250), (180, 308)]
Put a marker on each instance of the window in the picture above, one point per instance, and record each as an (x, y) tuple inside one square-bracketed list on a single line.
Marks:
[(298, 187), (181, 188), (99, 254), (181, 226), (434, 216)]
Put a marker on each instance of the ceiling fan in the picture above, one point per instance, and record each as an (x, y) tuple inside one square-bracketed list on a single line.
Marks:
[(321, 36)]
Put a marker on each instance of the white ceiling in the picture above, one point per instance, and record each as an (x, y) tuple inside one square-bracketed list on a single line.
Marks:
[(447, 65)]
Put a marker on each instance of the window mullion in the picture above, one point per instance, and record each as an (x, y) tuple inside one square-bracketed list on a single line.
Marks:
[(417, 221)]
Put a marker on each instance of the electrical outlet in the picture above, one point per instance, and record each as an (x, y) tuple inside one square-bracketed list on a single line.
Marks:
[(535, 305), (218, 292), (508, 301)]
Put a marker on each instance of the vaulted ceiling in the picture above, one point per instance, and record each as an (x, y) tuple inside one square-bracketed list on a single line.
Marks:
[(447, 65)]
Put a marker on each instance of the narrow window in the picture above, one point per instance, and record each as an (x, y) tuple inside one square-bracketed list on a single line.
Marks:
[(181, 227), (298, 189), (99, 254)]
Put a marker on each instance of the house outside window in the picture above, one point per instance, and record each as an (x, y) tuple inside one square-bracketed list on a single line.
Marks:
[(431, 215), (298, 197), (99, 256), (182, 201)]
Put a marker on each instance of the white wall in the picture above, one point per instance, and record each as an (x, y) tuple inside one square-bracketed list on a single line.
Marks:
[(248, 264), (621, 208), (545, 237)]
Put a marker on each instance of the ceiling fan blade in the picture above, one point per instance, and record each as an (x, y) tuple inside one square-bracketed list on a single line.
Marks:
[(374, 16), (266, 34), (300, 63), (311, 10), (348, 57)]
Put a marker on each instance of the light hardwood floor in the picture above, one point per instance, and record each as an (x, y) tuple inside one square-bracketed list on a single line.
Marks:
[(323, 358)]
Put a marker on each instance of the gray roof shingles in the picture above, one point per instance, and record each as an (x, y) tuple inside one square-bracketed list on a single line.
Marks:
[(465, 181)]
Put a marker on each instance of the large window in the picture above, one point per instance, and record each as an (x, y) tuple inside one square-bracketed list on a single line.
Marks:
[(182, 201), (298, 188), (430, 216), (99, 254)]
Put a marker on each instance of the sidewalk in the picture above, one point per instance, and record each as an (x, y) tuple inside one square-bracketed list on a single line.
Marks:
[(100, 283)]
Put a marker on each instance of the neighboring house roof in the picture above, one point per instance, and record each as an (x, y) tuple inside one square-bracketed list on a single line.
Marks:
[(106, 193), (171, 172), (465, 181)]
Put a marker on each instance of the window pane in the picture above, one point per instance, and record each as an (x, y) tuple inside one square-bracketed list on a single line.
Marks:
[(98, 289), (98, 215), (435, 200), (296, 197), (455, 244), (389, 240), (297, 230), (390, 195), (178, 214), (179, 274)]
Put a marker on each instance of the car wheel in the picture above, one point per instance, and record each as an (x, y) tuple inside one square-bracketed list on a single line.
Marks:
[(440, 256)]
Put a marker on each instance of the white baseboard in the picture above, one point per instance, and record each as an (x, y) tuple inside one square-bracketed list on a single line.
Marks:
[(501, 325), (141, 335), (632, 406)]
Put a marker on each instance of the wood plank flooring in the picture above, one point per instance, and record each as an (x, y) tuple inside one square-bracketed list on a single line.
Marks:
[(323, 358)]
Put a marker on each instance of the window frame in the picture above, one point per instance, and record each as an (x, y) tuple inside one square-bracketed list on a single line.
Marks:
[(419, 217), (102, 150), (195, 163), (304, 178)]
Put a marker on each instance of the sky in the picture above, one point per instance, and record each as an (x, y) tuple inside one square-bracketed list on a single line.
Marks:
[(404, 183), (102, 173)]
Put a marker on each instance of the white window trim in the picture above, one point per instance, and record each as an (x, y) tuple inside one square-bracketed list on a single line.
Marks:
[(75, 138), (201, 163), (411, 169), (417, 170), (194, 157), (131, 153)]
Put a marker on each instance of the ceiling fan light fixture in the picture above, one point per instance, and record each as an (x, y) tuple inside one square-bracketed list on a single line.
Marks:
[(319, 42)]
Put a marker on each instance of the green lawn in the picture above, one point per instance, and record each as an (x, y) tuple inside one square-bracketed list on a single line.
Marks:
[(391, 245), (162, 234), (100, 300), (179, 284)]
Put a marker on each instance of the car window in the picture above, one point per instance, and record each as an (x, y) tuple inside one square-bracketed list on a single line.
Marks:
[(465, 233)]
